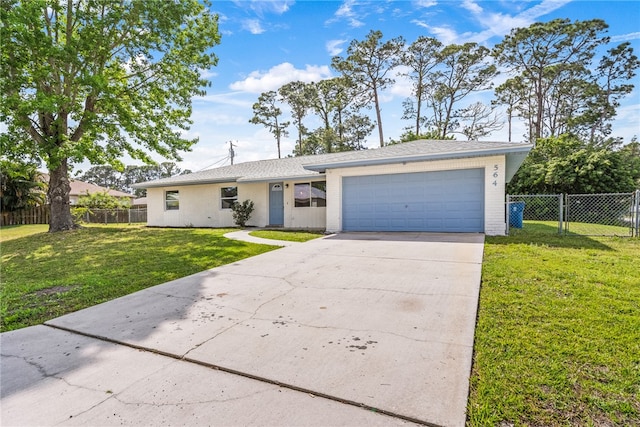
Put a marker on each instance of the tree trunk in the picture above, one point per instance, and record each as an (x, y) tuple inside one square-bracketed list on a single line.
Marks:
[(58, 194), (378, 117)]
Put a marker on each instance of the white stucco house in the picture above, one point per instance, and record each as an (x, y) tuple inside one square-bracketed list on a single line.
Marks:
[(435, 186)]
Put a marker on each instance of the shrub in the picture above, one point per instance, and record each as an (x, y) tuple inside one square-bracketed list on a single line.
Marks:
[(242, 212)]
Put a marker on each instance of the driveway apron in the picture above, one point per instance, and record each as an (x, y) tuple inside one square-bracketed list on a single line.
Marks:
[(379, 320)]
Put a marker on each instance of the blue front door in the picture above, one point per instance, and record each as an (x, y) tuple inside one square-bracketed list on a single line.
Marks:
[(276, 204)]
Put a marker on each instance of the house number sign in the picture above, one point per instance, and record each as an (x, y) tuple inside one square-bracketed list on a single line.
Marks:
[(495, 175)]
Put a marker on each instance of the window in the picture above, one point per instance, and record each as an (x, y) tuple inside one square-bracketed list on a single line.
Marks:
[(312, 194), (172, 200), (228, 196)]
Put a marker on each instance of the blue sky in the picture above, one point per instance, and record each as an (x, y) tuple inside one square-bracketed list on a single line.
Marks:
[(266, 44)]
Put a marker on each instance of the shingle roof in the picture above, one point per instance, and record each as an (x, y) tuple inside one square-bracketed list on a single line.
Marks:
[(418, 151), (310, 166), (81, 188)]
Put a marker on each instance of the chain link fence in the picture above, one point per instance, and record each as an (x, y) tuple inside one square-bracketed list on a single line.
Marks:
[(114, 216), (611, 214)]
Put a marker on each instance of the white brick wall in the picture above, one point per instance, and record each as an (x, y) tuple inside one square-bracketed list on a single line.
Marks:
[(494, 194)]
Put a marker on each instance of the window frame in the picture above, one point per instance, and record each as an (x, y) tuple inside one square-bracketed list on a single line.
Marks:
[(311, 199), (226, 199), (169, 204)]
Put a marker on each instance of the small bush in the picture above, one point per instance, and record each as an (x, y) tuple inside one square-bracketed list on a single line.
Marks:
[(242, 212)]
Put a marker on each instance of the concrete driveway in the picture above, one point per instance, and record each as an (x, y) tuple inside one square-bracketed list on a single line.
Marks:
[(350, 329)]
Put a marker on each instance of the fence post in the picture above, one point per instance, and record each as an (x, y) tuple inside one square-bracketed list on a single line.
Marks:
[(567, 214), (561, 213), (507, 213), (637, 213)]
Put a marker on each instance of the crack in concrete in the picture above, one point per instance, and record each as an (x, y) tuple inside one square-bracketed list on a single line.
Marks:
[(41, 370), (119, 398), (240, 322), (46, 375)]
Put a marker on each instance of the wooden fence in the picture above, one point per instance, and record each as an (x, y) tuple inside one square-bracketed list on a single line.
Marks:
[(36, 215), (41, 215)]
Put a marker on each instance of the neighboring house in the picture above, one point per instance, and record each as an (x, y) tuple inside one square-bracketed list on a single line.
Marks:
[(80, 188), (436, 186), (139, 203)]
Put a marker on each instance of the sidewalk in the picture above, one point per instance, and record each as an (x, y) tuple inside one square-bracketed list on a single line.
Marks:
[(246, 237)]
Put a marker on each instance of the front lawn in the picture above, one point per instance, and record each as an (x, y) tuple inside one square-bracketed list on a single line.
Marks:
[(558, 333), (47, 275), (10, 232)]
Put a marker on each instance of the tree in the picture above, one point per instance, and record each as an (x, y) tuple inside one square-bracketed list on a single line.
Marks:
[(565, 164), (422, 56), (408, 136), (367, 65), (631, 153), (610, 84), (109, 177), (511, 93), (298, 95), (20, 186), (478, 120), (355, 129), (103, 175), (544, 57), (102, 200), (94, 79), (463, 69), (265, 112)]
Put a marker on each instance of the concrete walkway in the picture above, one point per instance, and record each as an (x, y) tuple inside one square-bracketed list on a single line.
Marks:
[(350, 329), (246, 237)]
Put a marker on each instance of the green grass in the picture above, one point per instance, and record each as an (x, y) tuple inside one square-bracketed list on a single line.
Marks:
[(558, 332), (47, 275), (11, 232), (290, 236), (573, 228)]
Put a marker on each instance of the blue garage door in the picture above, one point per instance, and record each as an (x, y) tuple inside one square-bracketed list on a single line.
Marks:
[(443, 201)]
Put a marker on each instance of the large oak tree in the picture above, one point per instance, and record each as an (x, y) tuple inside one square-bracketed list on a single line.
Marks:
[(95, 79)]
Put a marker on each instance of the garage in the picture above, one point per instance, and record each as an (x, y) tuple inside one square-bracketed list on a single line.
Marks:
[(438, 201)]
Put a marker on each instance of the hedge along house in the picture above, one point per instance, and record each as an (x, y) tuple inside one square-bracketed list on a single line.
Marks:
[(434, 186)]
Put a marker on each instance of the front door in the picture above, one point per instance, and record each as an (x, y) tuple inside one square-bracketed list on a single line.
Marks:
[(276, 204)]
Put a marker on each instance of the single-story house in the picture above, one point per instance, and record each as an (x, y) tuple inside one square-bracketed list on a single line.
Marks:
[(436, 186)]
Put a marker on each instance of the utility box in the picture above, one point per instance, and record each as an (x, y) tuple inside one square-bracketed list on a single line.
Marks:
[(516, 214)]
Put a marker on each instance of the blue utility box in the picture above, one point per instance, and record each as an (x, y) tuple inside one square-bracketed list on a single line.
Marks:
[(516, 213)]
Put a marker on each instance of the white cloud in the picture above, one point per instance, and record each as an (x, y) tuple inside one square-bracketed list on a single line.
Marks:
[(334, 47), (426, 3), (625, 37), (346, 12), (208, 74), (495, 24), (446, 35), (259, 81), (253, 26), (265, 6), (472, 7), (231, 99)]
